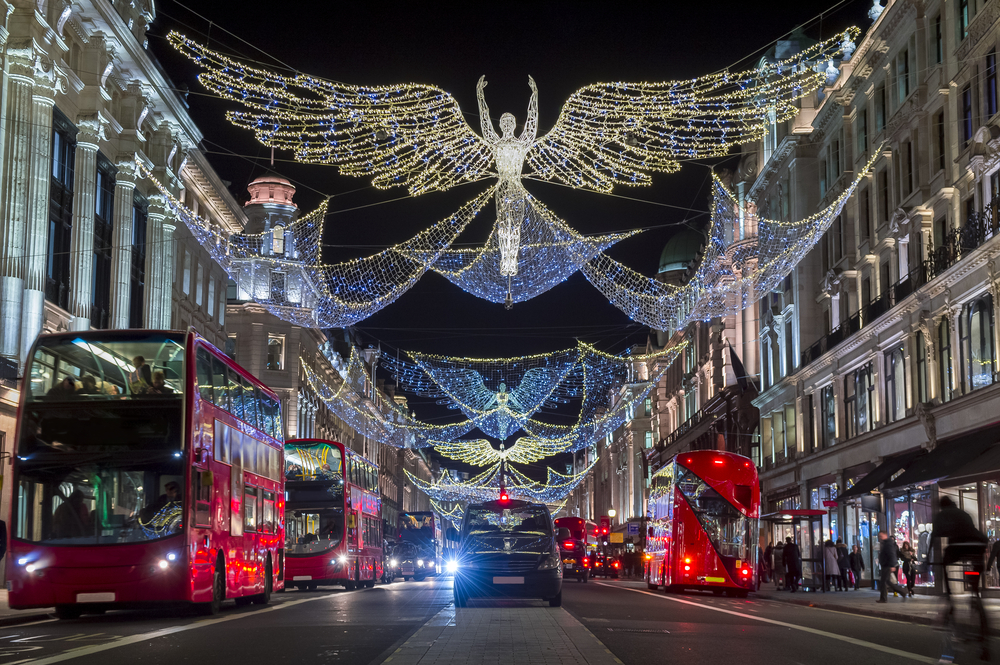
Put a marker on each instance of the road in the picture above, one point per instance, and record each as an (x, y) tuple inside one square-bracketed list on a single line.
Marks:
[(370, 625)]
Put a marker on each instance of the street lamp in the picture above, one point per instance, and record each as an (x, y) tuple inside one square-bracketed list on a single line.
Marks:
[(612, 512)]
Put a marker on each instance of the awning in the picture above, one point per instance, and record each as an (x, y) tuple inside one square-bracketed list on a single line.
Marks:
[(947, 458), (880, 474), (984, 467), (792, 515)]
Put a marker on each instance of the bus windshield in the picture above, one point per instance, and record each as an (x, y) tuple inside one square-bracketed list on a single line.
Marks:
[(95, 466), (314, 483), (727, 527), (143, 365)]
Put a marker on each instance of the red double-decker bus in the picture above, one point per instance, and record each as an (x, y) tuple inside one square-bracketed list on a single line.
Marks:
[(148, 471), (704, 509), (333, 513)]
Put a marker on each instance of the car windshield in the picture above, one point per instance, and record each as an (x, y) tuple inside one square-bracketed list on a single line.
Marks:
[(528, 519), (86, 367), (100, 473)]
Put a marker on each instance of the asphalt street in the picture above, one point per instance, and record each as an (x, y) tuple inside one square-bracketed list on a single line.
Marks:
[(367, 626)]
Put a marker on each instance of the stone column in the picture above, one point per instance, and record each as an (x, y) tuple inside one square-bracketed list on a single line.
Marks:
[(37, 224), (169, 271), (121, 244), (15, 198), (81, 263), (153, 303)]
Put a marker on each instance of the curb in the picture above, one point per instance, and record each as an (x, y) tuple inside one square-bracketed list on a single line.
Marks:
[(20, 619), (926, 620)]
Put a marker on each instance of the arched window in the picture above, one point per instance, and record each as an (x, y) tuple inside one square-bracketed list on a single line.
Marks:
[(895, 385), (977, 343), (944, 358)]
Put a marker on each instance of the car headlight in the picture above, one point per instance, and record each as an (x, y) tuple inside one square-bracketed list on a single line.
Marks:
[(550, 562), (420, 562), (393, 563), (451, 566)]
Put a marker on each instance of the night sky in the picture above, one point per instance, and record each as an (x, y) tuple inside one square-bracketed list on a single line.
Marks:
[(564, 46)]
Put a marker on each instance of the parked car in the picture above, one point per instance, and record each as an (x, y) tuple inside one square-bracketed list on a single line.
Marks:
[(509, 548)]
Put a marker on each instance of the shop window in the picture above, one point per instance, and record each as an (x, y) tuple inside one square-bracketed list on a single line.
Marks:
[(910, 516), (976, 332), (895, 384)]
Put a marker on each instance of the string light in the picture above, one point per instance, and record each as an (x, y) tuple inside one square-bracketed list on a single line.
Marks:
[(486, 486), (733, 271), (480, 452)]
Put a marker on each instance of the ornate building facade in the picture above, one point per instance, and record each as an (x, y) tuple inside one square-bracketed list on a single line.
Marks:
[(879, 357)]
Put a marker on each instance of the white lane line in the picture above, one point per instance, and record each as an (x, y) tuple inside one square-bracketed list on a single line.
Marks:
[(804, 629), (163, 632)]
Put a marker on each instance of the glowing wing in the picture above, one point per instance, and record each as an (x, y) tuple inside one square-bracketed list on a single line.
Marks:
[(408, 135), (620, 133)]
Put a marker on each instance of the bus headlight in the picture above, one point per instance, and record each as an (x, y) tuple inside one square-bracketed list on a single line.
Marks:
[(420, 563), (393, 563), (171, 556), (163, 564), (451, 566), (31, 567), (343, 559)]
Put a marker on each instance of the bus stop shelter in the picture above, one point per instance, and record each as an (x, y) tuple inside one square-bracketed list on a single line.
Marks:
[(805, 527)]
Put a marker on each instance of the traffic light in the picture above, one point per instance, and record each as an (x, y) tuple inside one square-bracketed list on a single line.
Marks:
[(504, 498)]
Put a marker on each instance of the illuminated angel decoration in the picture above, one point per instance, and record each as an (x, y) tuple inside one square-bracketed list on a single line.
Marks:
[(607, 134)]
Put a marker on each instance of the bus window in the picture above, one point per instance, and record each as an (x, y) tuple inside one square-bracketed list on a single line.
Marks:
[(202, 496), (236, 395), (249, 508), (221, 383), (203, 364), (250, 405), (267, 517), (268, 407), (279, 432), (222, 446)]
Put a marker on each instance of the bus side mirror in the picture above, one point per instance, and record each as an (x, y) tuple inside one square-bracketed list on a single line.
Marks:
[(452, 534), (562, 533)]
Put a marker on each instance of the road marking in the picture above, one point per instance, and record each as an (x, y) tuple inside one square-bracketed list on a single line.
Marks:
[(805, 629), (163, 632)]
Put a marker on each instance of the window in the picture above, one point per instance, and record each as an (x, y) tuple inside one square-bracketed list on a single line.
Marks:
[(965, 122), (276, 352), (895, 385), (186, 282), (231, 346), (810, 423), (789, 348), (199, 284), (249, 508), (850, 408), (60, 210), (977, 343), (137, 261), (963, 19), (990, 84), (902, 76), (834, 161), (211, 297), (220, 383), (837, 239), (765, 360), (862, 130), (944, 355), (880, 108), (908, 169), (921, 377), (201, 495), (823, 169), (938, 36), (864, 214), (864, 389), (278, 286), (104, 199), (882, 180), (647, 406), (649, 440), (828, 416), (278, 240), (203, 365), (939, 126)]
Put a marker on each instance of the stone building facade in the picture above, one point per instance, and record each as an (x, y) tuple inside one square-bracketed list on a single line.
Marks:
[(878, 378)]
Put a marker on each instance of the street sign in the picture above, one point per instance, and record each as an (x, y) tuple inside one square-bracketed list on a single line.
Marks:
[(617, 537), (605, 523), (633, 528)]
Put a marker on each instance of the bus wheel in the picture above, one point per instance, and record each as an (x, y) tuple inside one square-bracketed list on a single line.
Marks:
[(65, 612), (218, 589), (265, 598)]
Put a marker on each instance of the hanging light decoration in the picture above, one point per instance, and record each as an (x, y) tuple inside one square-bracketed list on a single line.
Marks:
[(486, 486)]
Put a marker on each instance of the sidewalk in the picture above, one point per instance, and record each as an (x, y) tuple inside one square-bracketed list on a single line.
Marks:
[(918, 609), (9, 617)]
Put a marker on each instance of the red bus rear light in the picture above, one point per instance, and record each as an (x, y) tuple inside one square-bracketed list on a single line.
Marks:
[(687, 560), (568, 545), (718, 460), (586, 562), (746, 572), (687, 567), (616, 564)]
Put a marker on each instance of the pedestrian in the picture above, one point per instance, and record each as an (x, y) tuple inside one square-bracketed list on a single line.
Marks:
[(792, 558), (778, 566), (857, 562), (766, 575), (888, 561), (994, 554), (909, 557), (832, 567), (843, 562)]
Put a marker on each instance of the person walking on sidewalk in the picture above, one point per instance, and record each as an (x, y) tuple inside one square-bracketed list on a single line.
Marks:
[(843, 562), (778, 572), (857, 562), (792, 559), (909, 557), (888, 560), (832, 567)]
